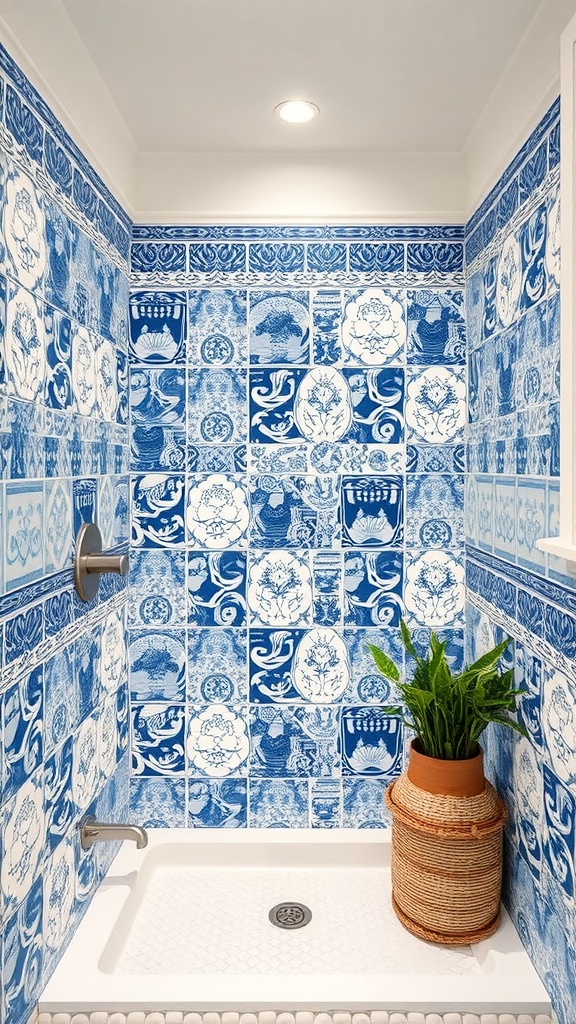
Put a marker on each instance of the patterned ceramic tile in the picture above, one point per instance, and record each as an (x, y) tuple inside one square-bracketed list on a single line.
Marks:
[(217, 804), (158, 802), (279, 803), (217, 660), (279, 327), (158, 327), (158, 739)]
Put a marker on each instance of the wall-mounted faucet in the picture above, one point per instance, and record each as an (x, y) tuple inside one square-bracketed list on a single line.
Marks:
[(92, 831), (90, 562)]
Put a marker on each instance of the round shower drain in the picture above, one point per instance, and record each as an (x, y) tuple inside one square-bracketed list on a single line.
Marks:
[(290, 915)]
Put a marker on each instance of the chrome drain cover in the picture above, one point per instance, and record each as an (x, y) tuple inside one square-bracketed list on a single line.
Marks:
[(290, 915)]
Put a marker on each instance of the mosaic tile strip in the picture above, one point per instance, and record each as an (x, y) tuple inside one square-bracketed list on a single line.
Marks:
[(393, 1016), (547, 123)]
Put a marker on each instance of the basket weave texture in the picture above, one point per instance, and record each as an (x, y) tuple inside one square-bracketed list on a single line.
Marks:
[(446, 862)]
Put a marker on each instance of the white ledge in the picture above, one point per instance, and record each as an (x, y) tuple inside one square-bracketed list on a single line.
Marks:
[(559, 547)]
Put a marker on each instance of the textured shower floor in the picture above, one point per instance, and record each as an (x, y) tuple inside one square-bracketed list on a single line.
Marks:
[(223, 926)]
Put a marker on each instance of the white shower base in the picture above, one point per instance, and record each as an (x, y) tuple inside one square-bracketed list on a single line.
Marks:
[(183, 926)]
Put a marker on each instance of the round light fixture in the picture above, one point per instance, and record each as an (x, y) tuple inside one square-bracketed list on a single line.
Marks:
[(297, 111)]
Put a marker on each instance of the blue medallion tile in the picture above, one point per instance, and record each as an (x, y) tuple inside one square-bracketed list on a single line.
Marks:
[(387, 257), (22, 959), (216, 588), (280, 588), (217, 804), (326, 257), (374, 326), (373, 588), (22, 728), (58, 790), (157, 664), (24, 126), (325, 803), (441, 257), (217, 406), (279, 803), (23, 223), (210, 258), (435, 406), (279, 327), (218, 333), (291, 742), (218, 671), (371, 742), (157, 589), (372, 511), (436, 328), (158, 802), (269, 257), (363, 804), (217, 744), (25, 349), (217, 514), (435, 458), (158, 327), (24, 549), (434, 589), (59, 902), (23, 835), (158, 511), (158, 739), (57, 613), (154, 258)]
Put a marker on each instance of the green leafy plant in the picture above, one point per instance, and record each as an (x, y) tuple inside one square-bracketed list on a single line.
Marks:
[(449, 712)]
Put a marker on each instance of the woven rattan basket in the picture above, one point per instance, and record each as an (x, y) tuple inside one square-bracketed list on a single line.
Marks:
[(446, 862)]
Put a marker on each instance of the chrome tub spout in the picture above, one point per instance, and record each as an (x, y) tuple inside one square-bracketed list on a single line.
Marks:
[(92, 831)]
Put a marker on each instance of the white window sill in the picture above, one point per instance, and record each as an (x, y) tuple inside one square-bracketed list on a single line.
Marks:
[(559, 547)]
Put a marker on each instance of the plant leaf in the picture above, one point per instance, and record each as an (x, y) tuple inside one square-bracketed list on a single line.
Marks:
[(384, 664), (407, 640)]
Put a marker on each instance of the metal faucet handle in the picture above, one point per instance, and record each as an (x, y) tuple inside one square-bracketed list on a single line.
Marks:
[(90, 561), (92, 831)]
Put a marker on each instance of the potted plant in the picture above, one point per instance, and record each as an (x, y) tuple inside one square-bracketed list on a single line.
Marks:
[(447, 820)]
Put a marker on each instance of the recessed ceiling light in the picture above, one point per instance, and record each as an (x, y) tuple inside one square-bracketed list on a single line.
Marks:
[(297, 111)]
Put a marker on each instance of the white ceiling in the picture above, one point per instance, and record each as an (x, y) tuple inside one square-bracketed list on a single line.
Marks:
[(423, 102), (193, 76)]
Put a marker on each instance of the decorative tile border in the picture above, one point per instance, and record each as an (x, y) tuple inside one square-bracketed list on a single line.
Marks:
[(547, 123), (369, 232), (41, 108), (116, 252), (284, 1017), (47, 648)]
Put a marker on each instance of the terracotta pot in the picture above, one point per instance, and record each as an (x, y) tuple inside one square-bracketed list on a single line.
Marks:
[(446, 778)]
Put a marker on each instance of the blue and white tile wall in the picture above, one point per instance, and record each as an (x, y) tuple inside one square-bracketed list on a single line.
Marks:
[(297, 429), (63, 460), (512, 251)]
